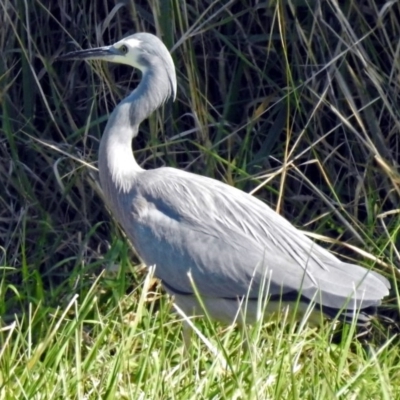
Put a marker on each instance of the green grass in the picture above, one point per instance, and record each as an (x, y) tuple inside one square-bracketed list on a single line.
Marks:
[(293, 101), (131, 348)]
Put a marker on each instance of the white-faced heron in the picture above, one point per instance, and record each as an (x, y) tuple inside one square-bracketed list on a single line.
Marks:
[(197, 230)]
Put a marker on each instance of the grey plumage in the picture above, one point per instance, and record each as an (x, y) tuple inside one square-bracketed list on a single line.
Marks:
[(229, 241)]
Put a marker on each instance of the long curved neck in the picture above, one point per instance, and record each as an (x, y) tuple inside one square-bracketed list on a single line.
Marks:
[(117, 165)]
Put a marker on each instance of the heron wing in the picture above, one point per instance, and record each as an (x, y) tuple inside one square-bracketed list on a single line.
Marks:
[(232, 244)]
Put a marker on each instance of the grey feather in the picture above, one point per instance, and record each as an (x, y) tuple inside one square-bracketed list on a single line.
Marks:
[(230, 242)]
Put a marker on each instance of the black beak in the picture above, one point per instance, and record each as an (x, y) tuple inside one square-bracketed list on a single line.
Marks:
[(98, 53)]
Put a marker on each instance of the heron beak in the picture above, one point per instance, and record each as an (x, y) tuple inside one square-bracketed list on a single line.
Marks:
[(98, 53)]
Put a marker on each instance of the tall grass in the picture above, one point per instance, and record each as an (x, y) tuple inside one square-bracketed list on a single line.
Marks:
[(294, 101)]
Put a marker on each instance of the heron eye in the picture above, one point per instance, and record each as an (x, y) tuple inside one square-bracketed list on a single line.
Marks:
[(124, 49)]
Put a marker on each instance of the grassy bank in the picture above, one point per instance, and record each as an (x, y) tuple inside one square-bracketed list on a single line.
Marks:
[(295, 103)]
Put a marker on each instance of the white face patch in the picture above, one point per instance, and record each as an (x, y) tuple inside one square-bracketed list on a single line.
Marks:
[(132, 42), (131, 58)]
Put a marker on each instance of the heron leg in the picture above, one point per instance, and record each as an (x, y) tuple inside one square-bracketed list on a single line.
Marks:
[(187, 335)]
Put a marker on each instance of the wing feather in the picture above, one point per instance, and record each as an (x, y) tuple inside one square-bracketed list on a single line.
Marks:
[(231, 242)]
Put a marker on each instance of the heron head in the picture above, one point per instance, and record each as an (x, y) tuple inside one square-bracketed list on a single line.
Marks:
[(143, 51)]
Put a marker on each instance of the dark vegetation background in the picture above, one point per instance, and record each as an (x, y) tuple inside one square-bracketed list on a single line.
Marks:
[(294, 100)]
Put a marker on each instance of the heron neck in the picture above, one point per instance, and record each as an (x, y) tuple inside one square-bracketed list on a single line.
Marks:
[(117, 165)]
